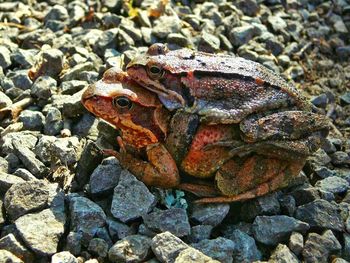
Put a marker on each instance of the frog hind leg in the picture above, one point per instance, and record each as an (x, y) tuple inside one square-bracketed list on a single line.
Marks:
[(256, 177)]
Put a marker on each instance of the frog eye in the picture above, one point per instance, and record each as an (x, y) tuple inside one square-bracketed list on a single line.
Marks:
[(122, 102), (155, 72)]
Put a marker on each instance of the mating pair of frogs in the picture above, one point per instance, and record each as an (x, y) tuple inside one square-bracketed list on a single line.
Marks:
[(235, 127)]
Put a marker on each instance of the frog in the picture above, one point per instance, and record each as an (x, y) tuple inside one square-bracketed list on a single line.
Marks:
[(221, 162), (219, 88)]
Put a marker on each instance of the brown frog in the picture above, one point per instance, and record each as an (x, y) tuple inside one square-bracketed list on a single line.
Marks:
[(235, 166)]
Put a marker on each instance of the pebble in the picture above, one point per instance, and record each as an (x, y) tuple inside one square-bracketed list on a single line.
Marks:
[(271, 230), (283, 254), (320, 213), (5, 57), (245, 249), (10, 243), (20, 79), (265, 205), (333, 184), (6, 256), (5, 101), (174, 220), (190, 255), (138, 247), (67, 150), (220, 249), (104, 178), (73, 243), (98, 247), (131, 198), (72, 86), (199, 233), (209, 214), (241, 35), (118, 230), (340, 158), (49, 62), (53, 122), (43, 87), (85, 217), (296, 243), (7, 180), (32, 120), (46, 225), (318, 247), (26, 197), (64, 257)]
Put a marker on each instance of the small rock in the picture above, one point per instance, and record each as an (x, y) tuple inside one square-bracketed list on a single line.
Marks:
[(25, 174), (191, 255), (64, 257), (324, 172), (5, 101), (305, 195), (137, 247), (249, 8), (53, 122), (165, 25), (57, 12), (118, 230), (174, 220), (73, 243), (104, 178), (317, 247), (46, 225), (10, 243), (340, 158), (24, 57), (296, 243), (209, 214), (48, 63), (72, 86), (208, 43), (86, 217), (178, 39), (43, 87), (29, 159), (282, 254), (5, 58), (271, 230), (199, 233), (320, 213), (7, 180), (245, 249), (131, 198), (32, 120), (67, 150), (98, 247), (265, 205), (8, 257), (26, 197), (220, 249), (333, 184), (320, 101), (288, 205), (277, 23), (167, 247), (242, 35)]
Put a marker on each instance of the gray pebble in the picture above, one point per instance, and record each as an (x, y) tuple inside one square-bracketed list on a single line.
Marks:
[(104, 178), (333, 184), (98, 247), (67, 150), (138, 247), (131, 198), (12, 244), (7, 180), (46, 225), (165, 25), (271, 230), (73, 243), (340, 158), (5, 101), (32, 120), (5, 58), (20, 79), (283, 254), (118, 230), (64, 257), (43, 87), (220, 249), (86, 217), (174, 220), (53, 122), (199, 233), (320, 213), (296, 243), (57, 12), (209, 214), (6, 256)]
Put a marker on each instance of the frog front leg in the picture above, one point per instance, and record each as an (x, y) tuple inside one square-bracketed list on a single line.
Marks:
[(159, 170)]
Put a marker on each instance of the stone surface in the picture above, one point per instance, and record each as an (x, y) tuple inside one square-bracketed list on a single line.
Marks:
[(104, 178), (271, 230), (320, 214), (46, 225), (174, 220), (220, 249), (8, 257), (131, 198), (282, 254), (138, 247), (64, 257), (98, 247), (333, 184), (12, 244), (296, 243), (190, 255), (86, 217), (209, 214)]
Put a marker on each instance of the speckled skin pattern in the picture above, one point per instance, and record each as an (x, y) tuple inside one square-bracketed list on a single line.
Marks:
[(219, 88)]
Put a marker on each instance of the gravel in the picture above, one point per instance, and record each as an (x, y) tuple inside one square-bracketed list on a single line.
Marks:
[(58, 186)]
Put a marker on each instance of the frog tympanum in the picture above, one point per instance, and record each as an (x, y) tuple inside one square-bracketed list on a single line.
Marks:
[(239, 135)]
